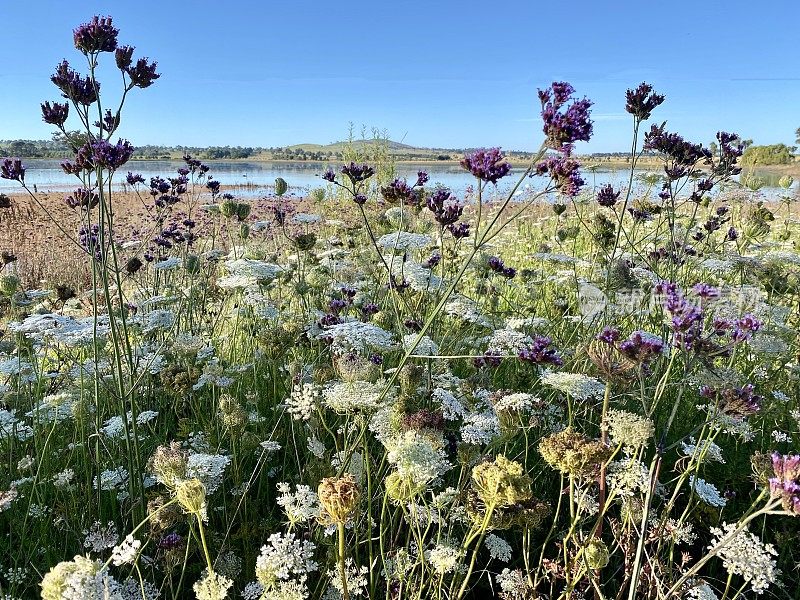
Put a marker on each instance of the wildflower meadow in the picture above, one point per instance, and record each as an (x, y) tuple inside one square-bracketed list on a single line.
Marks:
[(388, 389)]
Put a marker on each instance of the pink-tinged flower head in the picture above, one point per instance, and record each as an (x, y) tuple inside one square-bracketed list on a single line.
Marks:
[(785, 483)]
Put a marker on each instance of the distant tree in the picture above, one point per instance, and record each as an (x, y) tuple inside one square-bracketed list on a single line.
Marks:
[(775, 154)]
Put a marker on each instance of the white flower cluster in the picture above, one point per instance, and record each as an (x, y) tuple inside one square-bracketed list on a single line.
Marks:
[(353, 396), (300, 506), (212, 586), (355, 336), (708, 451), (480, 427), (508, 341), (416, 457), (303, 401), (208, 468), (425, 347), (742, 553), (355, 577), (513, 584), (284, 557), (499, 549), (403, 240), (443, 558), (577, 385), (707, 492)]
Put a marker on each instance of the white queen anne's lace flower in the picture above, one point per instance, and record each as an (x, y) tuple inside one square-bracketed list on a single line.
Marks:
[(742, 553)]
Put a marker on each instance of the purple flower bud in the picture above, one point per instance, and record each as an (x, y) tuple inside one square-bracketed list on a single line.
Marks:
[(329, 175), (400, 191), (459, 231), (563, 171), (111, 156), (609, 335)]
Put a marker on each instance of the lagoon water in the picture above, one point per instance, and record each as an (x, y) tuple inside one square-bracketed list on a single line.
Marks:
[(256, 178)]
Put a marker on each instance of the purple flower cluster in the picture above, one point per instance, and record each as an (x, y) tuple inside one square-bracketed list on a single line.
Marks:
[(564, 126), (111, 156), (730, 150), (738, 402), (142, 74), (83, 198), (682, 156), (98, 35), (55, 113), (786, 482), (459, 231), (497, 265), (12, 169), (642, 347), (541, 352), (564, 171), (357, 173), (607, 196), (89, 239), (446, 209), (400, 192), (81, 90), (642, 101), (487, 164)]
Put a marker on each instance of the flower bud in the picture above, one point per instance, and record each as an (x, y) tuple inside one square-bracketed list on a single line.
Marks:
[(281, 186), (786, 181)]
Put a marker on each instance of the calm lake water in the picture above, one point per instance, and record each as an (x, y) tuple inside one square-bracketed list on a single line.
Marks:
[(253, 179)]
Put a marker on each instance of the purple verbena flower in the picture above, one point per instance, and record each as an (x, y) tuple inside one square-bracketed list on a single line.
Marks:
[(357, 173), (12, 169), (111, 156), (786, 481), (641, 101), (81, 90), (98, 35), (607, 196), (143, 73), (541, 352), (564, 127), (564, 171), (55, 113), (486, 164), (400, 191)]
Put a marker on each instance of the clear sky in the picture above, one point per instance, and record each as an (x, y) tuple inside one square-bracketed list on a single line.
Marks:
[(436, 73)]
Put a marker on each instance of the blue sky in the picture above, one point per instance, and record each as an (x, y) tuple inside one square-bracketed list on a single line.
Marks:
[(447, 74)]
